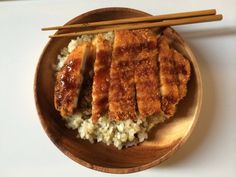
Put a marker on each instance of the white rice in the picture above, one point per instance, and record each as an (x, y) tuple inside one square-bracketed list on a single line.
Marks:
[(119, 133)]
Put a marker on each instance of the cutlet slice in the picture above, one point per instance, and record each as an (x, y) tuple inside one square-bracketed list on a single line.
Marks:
[(101, 79), (147, 86), (183, 71), (122, 88), (168, 78), (146, 74), (69, 80)]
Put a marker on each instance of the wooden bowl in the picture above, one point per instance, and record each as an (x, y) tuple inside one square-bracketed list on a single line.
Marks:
[(163, 140)]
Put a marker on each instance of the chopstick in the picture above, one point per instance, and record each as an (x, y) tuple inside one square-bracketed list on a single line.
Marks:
[(181, 21), (138, 19)]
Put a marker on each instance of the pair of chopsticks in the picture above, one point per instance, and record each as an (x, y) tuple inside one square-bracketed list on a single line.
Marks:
[(140, 22)]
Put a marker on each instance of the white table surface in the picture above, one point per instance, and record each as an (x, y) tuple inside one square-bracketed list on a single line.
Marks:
[(25, 149)]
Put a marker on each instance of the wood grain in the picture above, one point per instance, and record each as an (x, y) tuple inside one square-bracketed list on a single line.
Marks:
[(163, 140)]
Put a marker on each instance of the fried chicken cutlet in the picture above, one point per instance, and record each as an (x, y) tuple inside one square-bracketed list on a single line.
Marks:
[(69, 80), (101, 79)]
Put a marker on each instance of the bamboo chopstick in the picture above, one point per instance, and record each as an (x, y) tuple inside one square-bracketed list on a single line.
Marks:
[(174, 22), (138, 19)]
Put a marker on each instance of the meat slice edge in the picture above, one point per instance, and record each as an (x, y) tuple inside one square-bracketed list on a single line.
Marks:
[(122, 88), (101, 79), (69, 80)]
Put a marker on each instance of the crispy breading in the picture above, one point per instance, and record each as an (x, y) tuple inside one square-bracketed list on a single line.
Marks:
[(168, 79), (69, 80), (146, 74), (101, 79), (183, 70), (122, 88)]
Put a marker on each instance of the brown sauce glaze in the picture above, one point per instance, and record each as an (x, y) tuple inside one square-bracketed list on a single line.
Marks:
[(101, 79)]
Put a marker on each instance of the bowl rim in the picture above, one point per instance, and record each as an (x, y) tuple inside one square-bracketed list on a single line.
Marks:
[(111, 169)]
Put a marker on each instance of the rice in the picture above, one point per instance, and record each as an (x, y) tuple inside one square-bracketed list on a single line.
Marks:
[(119, 133), (122, 133)]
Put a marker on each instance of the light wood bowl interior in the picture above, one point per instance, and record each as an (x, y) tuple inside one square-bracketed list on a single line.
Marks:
[(163, 140)]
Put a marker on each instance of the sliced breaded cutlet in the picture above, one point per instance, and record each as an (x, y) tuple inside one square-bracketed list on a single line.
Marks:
[(101, 79), (146, 74), (183, 71), (69, 80), (182, 64), (122, 87), (168, 78), (175, 72)]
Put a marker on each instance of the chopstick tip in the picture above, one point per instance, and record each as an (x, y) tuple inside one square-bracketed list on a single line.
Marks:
[(214, 10), (221, 16)]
